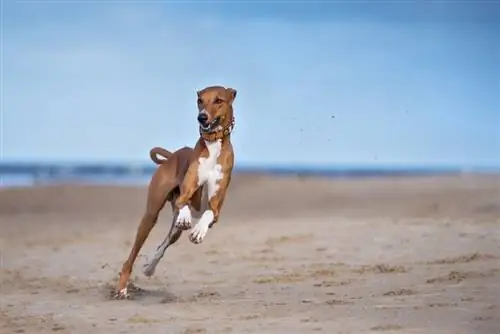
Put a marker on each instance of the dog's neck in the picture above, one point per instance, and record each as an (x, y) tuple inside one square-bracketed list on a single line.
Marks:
[(218, 134)]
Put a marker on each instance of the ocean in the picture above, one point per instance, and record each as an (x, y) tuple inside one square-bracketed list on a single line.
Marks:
[(31, 174)]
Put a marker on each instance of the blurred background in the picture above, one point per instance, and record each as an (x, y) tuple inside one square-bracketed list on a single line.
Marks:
[(341, 87)]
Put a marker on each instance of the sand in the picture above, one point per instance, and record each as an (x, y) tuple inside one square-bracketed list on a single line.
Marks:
[(290, 254)]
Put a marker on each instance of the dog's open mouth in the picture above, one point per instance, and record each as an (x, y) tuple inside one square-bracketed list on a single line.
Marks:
[(211, 126)]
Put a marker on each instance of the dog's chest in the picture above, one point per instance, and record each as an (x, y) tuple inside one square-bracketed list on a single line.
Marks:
[(209, 171)]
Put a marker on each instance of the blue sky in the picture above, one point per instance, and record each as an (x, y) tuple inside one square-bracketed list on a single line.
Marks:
[(318, 83)]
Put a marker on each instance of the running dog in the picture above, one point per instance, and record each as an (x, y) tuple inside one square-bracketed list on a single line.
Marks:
[(193, 180)]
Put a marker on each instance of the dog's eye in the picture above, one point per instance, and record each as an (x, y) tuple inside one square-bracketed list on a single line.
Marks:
[(217, 101), (200, 101)]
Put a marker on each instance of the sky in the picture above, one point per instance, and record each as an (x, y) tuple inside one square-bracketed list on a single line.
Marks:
[(319, 83)]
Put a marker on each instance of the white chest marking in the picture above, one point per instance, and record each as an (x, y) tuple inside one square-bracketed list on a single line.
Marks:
[(209, 171)]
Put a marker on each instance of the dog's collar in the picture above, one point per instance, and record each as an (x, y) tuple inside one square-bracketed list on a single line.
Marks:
[(217, 135)]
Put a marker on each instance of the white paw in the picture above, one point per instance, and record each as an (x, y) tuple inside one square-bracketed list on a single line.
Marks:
[(197, 234), (183, 221), (122, 294), (199, 231)]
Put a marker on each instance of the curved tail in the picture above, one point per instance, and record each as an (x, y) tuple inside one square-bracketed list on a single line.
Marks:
[(155, 151)]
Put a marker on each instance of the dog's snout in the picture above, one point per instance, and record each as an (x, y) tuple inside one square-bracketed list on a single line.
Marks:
[(202, 118)]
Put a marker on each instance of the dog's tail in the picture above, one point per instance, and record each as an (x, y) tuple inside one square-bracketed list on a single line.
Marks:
[(155, 151)]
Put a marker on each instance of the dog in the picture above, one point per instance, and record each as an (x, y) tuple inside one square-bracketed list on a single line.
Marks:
[(193, 180)]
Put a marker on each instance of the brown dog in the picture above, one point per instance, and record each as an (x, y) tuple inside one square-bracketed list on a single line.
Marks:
[(190, 179)]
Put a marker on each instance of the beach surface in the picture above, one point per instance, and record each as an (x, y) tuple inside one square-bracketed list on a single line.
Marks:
[(289, 255)]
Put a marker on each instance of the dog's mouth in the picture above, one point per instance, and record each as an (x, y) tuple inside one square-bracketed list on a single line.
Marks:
[(211, 126)]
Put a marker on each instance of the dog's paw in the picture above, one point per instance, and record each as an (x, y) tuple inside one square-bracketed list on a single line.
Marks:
[(149, 269), (121, 294), (200, 230), (198, 233), (130, 292), (184, 218)]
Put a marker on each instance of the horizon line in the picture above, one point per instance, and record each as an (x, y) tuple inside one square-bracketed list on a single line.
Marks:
[(292, 166)]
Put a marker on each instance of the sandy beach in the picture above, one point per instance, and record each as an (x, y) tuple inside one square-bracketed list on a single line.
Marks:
[(289, 255)]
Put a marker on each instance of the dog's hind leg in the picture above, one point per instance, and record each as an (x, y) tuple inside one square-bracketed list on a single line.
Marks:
[(157, 195), (171, 238)]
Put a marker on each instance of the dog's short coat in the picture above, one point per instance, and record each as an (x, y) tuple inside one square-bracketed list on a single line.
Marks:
[(193, 180)]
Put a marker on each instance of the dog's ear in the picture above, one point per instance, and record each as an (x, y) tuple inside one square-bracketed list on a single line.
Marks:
[(231, 93)]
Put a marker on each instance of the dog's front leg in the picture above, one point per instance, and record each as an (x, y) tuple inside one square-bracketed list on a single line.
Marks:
[(211, 215), (188, 188)]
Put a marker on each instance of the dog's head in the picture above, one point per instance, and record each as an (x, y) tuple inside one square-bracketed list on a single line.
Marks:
[(215, 108)]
